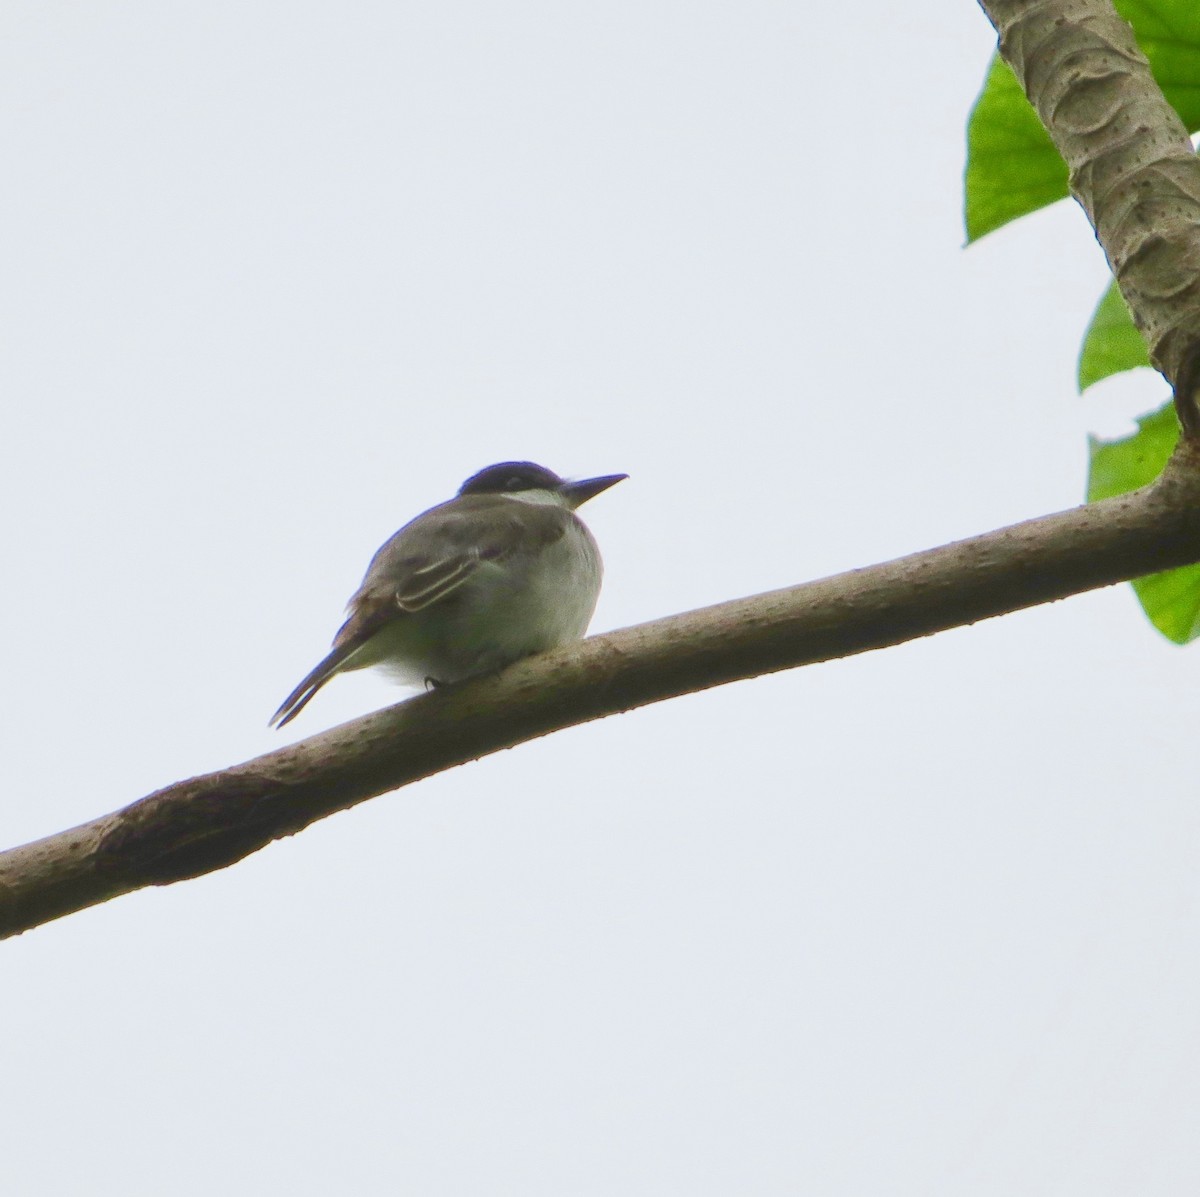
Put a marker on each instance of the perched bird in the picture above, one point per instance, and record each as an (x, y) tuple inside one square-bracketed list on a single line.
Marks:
[(503, 570)]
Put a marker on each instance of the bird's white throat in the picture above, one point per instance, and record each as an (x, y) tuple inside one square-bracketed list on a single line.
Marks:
[(539, 498)]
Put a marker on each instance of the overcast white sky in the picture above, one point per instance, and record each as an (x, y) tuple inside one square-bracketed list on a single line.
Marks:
[(277, 277)]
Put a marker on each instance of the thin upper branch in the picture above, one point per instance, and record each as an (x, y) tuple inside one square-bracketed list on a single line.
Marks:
[(209, 822), (1130, 159)]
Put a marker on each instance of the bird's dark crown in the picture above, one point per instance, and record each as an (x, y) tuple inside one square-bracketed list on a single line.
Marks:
[(510, 476)]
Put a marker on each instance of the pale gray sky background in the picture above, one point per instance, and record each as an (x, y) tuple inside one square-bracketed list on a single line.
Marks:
[(277, 277)]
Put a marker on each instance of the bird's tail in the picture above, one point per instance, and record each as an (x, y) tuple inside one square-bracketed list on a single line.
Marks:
[(298, 699)]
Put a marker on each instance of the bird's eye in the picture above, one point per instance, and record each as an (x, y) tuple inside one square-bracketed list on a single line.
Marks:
[(514, 482)]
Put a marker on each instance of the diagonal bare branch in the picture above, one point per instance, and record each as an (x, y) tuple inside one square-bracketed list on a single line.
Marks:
[(212, 821)]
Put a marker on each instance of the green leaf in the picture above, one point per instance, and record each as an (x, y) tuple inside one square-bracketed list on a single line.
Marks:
[(1111, 343), (1171, 599), (1168, 32), (1012, 166), (1172, 602), (1117, 467)]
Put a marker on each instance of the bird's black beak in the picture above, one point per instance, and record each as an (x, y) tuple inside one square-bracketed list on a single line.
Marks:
[(578, 493)]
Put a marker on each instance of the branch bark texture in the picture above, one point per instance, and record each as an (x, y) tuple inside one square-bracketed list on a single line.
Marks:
[(1131, 162), (212, 821)]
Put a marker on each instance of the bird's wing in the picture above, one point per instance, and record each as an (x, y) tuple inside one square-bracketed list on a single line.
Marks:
[(378, 601), (429, 584), (426, 563), (428, 560), (382, 599)]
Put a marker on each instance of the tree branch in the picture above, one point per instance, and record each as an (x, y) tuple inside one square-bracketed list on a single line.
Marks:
[(1131, 163), (212, 821), (1133, 170)]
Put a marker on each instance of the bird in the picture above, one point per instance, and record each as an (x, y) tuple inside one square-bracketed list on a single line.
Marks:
[(503, 570)]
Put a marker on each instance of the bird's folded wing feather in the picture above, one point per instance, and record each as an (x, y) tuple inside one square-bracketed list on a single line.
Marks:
[(426, 562), (431, 583)]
